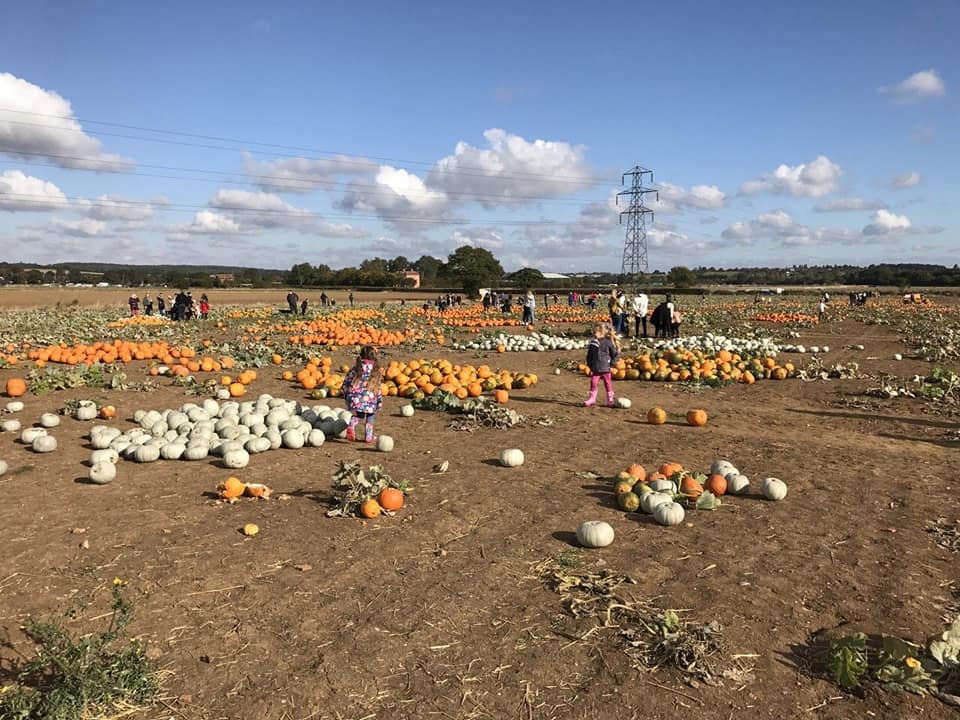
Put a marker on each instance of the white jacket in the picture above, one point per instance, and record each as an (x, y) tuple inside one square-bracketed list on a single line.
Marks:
[(640, 304)]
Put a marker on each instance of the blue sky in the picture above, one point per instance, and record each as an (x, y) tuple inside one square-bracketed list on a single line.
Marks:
[(778, 133)]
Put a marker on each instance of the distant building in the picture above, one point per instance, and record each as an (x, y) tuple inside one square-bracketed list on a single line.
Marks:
[(554, 276), (412, 275), (223, 279)]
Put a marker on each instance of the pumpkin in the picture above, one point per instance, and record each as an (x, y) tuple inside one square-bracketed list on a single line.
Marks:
[(737, 483), (293, 439), (147, 453), (384, 443), (622, 403), (14, 406), (108, 412), (10, 426), (390, 498), (722, 467), (195, 452), (690, 486), (637, 471), (774, 489), (370, 508), (172, 451), (663, 485), (656, 416), (86, 410), (236, 458), (668, 469), (105, 455), (315, 438), (668, 513), (697, 417), (716, 483), (250, 529), (595, 534), (3, 467), (649, 501), (406, 410), (628, 501), (501, 396), (512, 457), (16, 387), (30, 434), (622, 486), (44, 444), (49, 420), (257, 490), (231, 488), (102, 473)]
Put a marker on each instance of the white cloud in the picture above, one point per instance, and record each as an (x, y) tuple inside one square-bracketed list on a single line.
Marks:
[(906, 180), (673, 198), (673, 242), (848, 204), (304, 175), (82, 228), (486, 238), (114, 207), (43, 125), (512, 171), (399, 197), (920, 85), (814, 179), (207, 222), (19, 192), (886, 222)]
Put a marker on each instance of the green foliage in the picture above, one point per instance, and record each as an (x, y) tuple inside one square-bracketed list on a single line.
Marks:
[(847, 660), (73, 678), (681, 277), (40, 381), (474, 268)]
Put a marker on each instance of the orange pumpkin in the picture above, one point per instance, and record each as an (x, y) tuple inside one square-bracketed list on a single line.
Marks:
[(502, 396), (370, 508), (237, 389), (669, 468), (231, 488), (108, 412), (390, 498), (257, 490), (717, 484), (690, 486), (638, 471), (656, 416), (697, 417), (622, 486), (16, 387)]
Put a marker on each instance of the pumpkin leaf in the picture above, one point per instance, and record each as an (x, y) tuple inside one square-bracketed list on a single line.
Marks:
[(707, 501), (847, 660)]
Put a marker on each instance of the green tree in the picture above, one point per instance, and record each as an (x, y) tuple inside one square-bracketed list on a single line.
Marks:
[(399, 264), (300, 274), (681, 277), (428, 267), (474, 268), (526, 277)]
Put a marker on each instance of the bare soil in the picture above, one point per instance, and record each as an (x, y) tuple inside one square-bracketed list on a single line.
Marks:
[(437, 613)]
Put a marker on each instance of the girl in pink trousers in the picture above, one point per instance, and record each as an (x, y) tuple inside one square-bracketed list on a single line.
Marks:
[(602, 353)]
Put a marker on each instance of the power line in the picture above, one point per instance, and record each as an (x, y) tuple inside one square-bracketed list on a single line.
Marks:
[(572, 179)]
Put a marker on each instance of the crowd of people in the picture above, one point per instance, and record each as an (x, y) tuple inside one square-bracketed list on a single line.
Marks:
[(179, 307)]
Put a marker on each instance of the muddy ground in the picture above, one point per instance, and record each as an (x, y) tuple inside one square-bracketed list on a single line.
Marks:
[(437, 612)]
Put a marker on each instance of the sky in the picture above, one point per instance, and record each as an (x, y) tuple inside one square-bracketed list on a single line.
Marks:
[(269, 134)]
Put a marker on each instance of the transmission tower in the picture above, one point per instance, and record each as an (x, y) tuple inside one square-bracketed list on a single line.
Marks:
[(635, 243)]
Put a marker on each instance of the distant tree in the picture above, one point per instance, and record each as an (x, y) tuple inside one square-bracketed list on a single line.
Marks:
[(474, 268), (375, 265), (681, 277), (398, 264), (526, 277), (428, 267), (300, 275)]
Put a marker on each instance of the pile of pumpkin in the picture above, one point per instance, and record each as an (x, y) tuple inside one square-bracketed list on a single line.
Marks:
[(665, 492), (681, 365)]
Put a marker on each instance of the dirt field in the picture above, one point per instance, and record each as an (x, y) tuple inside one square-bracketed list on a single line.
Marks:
[(438, 613)]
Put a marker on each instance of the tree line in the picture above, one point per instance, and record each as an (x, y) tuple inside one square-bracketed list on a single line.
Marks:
[(468, 269)]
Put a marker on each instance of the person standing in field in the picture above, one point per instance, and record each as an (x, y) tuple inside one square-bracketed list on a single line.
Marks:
[(204, 306), (822, 309), (362, 393), (161, 306), (640, 306), (134, 303), (602, 353), (350, 298)]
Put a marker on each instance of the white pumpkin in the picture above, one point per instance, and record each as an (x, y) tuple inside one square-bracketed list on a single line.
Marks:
[(737, 484), (10, 426), (723, 467), (195, 452), (649, 501), (236, 458), (147, 453), (256, 445), (223, 394), (49, 420), (172, 451), (663, 485), (315, 438), (102, 473), (622, 403), (3, 467), (512, 457), (30, 434), (774, 489), (86, 410), (384, 443), (44, 444), (14, 406), (406, 410), (106, 455), (669, 513), (595, 534), (292, 439)]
